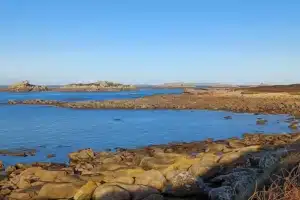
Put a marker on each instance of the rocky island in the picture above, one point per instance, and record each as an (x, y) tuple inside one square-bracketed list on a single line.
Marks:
[(96, 86), (25, 86), (208, 170), (99, 86)]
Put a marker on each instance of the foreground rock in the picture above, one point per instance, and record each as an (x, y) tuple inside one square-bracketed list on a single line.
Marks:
[(212, 100), (208, 169)]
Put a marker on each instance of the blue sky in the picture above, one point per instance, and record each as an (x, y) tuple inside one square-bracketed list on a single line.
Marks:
[(150, 41)]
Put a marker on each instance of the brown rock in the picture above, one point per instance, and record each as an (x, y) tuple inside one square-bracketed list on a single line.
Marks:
[(86, 191), (49, 176), (151, 178), (51, 155), (184, 184), (139, 192), (82, 155), (109, 192), (205, 171), (58, 191), (19, 196)]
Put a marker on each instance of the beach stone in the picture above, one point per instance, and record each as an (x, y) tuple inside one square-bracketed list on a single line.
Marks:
[(184, 184), (222, 193), (23, 182), (230, 157), (155, 163), (209, 159), (261, 121), (22, 166), (151, 178), (236, 144), (5, 191), (10, 169), (124, 179), (126, 172), (86, 191), (109, 192), (30, 171), (205, 171), (139, 192), (82, 155), (20, 196), (49, 176), (58, 191), (267, 160), (239, 180), (70, 179), (215, 147)]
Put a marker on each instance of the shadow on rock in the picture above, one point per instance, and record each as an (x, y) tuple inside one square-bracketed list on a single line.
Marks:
[(213, 170)]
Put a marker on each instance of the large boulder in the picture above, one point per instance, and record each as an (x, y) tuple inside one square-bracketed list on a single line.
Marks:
[(203, 170), (82, 155), (222, 193), (49, 176), (151, 178), (58, 191), (86, 191), (239, 179), (139, 192), (183, 184), (109, 192)]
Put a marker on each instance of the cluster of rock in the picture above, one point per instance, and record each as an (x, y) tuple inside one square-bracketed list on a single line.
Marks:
[(247, 104), (25, 86), (98, 86), (215, 170)]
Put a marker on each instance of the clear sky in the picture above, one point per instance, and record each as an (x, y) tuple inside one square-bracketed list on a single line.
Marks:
[(150, 41)]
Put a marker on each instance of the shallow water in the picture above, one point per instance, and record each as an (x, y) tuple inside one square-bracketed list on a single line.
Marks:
[(61, 130), (83, 96)]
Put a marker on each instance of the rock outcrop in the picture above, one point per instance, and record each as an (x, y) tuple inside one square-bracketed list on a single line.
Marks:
[(209, 170), (25, 86), (97, 86), (218, 100)]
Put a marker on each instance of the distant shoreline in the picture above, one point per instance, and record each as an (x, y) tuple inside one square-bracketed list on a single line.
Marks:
[(235, 100)]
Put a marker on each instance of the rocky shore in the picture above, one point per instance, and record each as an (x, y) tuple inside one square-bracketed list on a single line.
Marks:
[(208, 170), (213, 99)]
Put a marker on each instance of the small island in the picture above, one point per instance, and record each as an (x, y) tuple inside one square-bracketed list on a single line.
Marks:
[(99, 86), (96, 86), (25, 86)]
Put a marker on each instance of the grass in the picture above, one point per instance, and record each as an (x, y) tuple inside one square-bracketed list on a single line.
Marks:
[(285, 186)]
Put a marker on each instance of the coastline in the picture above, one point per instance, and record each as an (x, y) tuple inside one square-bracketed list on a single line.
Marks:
[(222, 99), (205, 169)]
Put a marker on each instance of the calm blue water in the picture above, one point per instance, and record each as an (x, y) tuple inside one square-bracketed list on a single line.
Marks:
[(61, 130)]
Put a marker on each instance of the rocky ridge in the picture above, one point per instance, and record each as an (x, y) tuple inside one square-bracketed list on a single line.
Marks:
[(214, 170), (204, 99)]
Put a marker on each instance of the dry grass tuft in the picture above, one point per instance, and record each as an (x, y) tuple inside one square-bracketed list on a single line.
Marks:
[(283, 187)]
